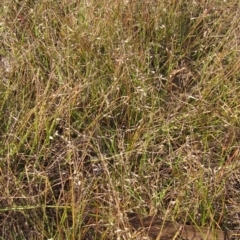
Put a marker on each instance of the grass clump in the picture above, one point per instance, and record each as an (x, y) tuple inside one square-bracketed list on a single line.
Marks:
[(111, 107)]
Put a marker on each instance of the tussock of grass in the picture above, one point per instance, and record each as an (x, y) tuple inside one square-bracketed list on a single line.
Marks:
[(108, 107)]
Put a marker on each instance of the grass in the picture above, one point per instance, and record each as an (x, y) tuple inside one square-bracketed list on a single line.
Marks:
[(108, 107)]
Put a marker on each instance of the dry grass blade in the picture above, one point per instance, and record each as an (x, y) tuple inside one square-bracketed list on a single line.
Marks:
[(167, 230)]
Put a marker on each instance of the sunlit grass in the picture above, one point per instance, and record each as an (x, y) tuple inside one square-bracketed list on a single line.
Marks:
[(114, 107)]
